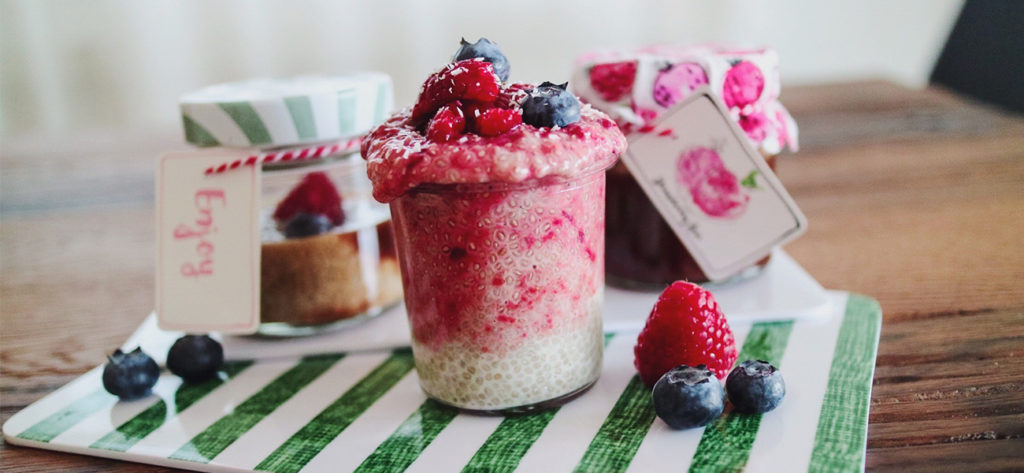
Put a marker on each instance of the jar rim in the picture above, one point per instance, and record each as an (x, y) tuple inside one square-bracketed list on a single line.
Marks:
[(504, 186)]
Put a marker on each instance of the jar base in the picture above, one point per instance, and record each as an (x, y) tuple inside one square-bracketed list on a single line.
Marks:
[(520, 410), (285, 330), (647, 286)]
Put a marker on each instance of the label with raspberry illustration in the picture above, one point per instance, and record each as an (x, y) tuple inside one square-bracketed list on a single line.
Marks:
[(208, 248), (716, 192)]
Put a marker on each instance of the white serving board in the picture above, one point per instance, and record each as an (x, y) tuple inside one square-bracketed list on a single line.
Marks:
[(364, 411)]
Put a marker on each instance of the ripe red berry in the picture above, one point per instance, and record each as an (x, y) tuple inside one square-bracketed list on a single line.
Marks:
[(614, 80), (471, 79), (495, 121), (448, 123), (686, 327), (315, 195)]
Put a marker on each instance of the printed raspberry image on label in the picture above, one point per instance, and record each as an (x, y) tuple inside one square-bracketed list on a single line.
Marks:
[(715, 190)]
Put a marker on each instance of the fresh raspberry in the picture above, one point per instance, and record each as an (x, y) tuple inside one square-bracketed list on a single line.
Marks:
[(448, 123), (315, 195), (496, 121), (512, 95), (471, 79), (613, 80), (686, 327)]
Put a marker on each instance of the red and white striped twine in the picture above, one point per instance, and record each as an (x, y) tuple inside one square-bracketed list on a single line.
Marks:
[(293, 154)]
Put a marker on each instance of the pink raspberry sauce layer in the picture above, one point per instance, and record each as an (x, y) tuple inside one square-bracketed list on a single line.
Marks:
[(399, 157)]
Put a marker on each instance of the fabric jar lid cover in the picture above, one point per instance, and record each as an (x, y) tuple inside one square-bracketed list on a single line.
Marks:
[(285, 112)]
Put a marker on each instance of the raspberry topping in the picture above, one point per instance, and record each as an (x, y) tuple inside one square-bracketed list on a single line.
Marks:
[(496, 121), (315, 195), (686, 327), (613, 81), (468, 127), (447, 124), (471, 79)]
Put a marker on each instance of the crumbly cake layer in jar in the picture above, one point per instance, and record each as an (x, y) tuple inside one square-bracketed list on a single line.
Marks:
[(399, 157), (487, 270), (330, 277), (541, 368)]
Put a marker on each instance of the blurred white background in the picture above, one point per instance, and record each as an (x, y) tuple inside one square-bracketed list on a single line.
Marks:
[(71, 66)]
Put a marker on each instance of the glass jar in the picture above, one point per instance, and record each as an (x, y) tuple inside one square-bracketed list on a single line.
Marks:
[(321, 272), (504, 289), (643, 251), (327, 256)]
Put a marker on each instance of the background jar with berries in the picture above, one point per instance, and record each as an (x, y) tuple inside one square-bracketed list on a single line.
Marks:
[(638, 87), (327, 258)]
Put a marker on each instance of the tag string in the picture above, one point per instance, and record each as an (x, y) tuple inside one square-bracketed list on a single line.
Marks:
[(292, 154)]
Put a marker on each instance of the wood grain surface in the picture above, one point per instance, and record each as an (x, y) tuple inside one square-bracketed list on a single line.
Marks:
[(915, 198)]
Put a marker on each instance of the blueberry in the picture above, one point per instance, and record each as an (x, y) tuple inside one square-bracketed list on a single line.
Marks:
[(306, 225), (755, 387), (196, 358), (551, 105), (688, 397), (488, 51), (130, 375)]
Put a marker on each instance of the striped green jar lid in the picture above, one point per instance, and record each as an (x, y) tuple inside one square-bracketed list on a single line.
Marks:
[(270, 113)]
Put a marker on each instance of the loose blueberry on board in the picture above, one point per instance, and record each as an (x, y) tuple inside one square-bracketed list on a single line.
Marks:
[(687, 397), (196, 358), (306, 225), (551, 105), (755, 387), (488, 51), (130, 375)]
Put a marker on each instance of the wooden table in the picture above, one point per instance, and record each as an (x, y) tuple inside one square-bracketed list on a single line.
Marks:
[(914, 197)]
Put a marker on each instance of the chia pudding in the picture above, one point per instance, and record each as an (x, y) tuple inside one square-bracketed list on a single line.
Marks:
[(501, 244)]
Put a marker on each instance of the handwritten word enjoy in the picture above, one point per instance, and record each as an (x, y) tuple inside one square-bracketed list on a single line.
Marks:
[(205, 201)]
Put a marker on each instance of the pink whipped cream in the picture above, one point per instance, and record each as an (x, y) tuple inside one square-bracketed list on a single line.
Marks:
[(399, 157)]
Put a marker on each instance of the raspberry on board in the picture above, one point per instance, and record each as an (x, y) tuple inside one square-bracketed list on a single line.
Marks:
[(685, 327)]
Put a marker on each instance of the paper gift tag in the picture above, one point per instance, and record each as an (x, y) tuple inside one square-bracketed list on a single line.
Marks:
[(715, 191), (208, 246)]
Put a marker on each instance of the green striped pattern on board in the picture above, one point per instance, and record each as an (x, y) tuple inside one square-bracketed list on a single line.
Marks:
[(248, 120), (56, 423), (146, 422), (410, 439), (841, 437), (508, 444), (196, 134), (726, 443), (301, 110), (301, 447), (222, 433), (620, 435)]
